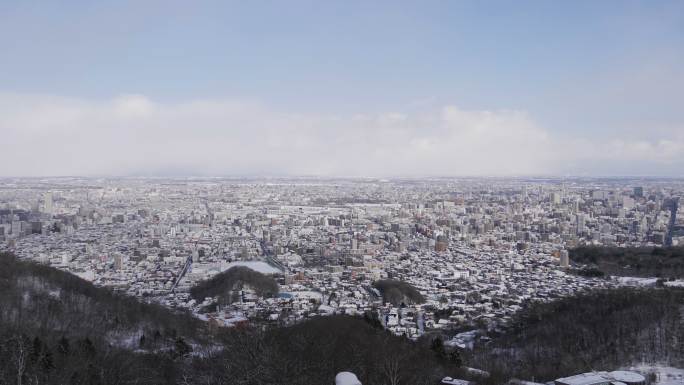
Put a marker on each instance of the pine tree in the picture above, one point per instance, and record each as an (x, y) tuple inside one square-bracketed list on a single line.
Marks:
[(182, 348)]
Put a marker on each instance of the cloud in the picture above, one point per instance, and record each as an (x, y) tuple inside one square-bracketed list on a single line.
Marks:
[(46, 135)]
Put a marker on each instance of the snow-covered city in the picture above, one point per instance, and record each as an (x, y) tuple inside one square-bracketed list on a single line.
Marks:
[(477, 250)]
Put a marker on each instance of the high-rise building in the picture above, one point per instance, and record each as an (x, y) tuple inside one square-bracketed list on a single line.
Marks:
[(599, 195), (628, 203), (564, 259), (16, 228), (581, 223), (47, 203), (638, 192)]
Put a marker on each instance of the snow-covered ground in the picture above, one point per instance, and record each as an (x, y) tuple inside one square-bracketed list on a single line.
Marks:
[(303, 294), (464, 340), (665, 375), (636, 281)]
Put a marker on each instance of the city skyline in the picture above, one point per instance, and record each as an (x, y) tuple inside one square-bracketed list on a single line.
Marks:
[(357, 90)]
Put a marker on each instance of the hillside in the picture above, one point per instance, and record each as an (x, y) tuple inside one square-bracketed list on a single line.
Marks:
[(56, 328), (45, 299), (599, 330), (312, 352), (398, 292), (630, 261), (226, 285)]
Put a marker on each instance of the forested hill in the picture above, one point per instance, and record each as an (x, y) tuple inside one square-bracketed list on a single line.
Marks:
[(398, 292), (633, 261), (226, 285), (602, 330), (44, 299), (56, 328)]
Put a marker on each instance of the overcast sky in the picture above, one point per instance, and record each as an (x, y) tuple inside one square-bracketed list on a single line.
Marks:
[(367, 88)]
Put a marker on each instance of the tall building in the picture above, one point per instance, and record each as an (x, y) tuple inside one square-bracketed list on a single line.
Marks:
[(638, 192), (581, 223), (16, 228), (47, 203), (628, 203), (564, 259)]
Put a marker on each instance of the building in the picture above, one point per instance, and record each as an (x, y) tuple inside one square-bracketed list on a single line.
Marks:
[(564, 259), (47, 204), (638, 192)]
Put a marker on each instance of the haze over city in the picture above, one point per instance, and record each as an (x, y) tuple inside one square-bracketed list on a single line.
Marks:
[(342, 89)]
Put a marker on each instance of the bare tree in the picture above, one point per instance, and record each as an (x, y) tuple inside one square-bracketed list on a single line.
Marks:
[(391, 367), (19, 352)]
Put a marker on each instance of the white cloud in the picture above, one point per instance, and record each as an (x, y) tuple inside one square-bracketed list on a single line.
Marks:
[(131, 134)]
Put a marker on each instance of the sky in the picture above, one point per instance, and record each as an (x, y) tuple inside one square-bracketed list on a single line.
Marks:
[(342, 88)]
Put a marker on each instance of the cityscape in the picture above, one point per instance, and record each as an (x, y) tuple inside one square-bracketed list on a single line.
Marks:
[(481, 248), (342, 192)]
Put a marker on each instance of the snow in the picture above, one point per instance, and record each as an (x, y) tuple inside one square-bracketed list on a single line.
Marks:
[(87, 275), (234, 319), (515, 381), (465, 340), (620, 377), (477, 372), (629, 377), (454, 381), (325, 309), (678, 283), (259, 266), (637, 281), (665, 375), (583, 379), (304, 294)]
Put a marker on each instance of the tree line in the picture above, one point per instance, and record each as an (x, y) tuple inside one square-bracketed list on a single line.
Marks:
[(397, 292), (602, 330), (227, 284), (56, 328), (666, 262)]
